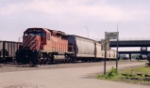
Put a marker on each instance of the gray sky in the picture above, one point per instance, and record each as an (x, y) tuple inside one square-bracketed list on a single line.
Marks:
[(71, 16)]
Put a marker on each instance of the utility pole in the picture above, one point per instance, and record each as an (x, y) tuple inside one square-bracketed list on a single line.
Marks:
[(117, 46), (19, 39), (105, 48)]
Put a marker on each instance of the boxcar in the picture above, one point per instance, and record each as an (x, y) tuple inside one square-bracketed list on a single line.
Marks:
[(8, 50)]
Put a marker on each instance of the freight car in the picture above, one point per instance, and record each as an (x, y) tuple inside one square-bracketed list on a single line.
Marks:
[(42, 45), (86, 49), (8, 50)]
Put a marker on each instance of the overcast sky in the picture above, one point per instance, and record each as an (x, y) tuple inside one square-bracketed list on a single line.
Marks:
[(71, 16)]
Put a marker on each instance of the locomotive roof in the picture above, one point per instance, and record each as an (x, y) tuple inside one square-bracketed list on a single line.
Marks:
[(49, 30), (84, 38), (58, 32)]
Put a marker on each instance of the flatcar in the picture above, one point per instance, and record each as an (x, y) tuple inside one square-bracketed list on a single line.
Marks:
[(8, 50), (42, 45)]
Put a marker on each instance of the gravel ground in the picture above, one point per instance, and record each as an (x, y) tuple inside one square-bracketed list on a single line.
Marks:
[(79, 75), (14, 67)]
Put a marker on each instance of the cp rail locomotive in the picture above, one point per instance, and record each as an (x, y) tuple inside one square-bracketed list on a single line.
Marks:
[(42, 45)]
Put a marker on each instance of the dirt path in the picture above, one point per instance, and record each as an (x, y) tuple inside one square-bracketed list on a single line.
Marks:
[(76, 77), (13, 67)]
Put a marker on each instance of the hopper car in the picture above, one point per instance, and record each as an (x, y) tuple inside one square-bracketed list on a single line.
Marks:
[(42, 45), (8, 50)]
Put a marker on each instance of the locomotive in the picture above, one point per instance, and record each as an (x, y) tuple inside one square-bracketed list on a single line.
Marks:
[(42, 45)]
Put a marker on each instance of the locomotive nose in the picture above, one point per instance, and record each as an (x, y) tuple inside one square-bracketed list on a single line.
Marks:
[(32, 42)]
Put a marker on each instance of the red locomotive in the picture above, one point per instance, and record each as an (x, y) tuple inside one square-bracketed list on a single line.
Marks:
[(42, 44)]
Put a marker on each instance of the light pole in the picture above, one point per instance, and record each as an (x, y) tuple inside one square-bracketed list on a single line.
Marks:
[(87, 31), (117, 46), (19, 39)]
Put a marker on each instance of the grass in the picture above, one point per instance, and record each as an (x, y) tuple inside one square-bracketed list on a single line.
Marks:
[(138, 75), (122, 60)]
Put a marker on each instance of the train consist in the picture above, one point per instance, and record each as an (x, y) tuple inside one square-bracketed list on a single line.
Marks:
[(8, 50), (42, 45)]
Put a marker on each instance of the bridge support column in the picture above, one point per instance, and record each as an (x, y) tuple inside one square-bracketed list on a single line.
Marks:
[(143, 49), (118, 56), (130, 56)]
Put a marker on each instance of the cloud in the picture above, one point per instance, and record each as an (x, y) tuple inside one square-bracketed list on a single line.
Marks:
[(70, 16), (77, 8)]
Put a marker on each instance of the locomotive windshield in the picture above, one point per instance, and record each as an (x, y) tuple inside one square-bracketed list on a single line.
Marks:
[(35, 33)]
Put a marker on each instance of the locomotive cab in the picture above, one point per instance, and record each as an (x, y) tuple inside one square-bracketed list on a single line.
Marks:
[(34, 39)]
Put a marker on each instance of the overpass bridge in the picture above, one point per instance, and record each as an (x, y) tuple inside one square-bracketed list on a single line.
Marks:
[(130, 43), (133, 52), (143, 43)]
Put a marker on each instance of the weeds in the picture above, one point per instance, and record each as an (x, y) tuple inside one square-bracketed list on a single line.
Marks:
[(138, 75), (111, 74)]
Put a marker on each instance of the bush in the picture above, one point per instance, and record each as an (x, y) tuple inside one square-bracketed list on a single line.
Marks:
[(111, 74)]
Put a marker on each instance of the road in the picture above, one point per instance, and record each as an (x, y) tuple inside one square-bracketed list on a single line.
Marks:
[(75, 77)]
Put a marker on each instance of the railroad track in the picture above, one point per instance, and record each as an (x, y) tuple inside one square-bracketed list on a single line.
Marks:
[(15, 67)]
